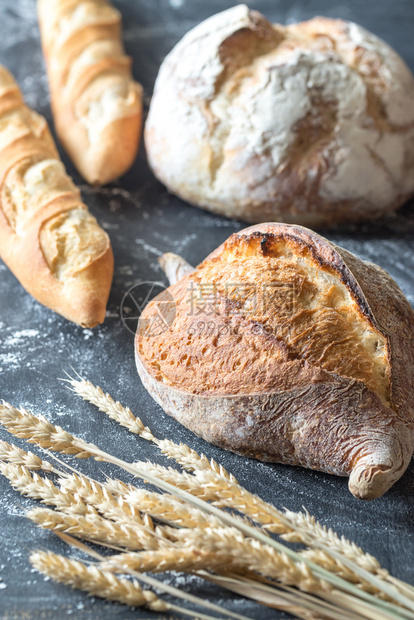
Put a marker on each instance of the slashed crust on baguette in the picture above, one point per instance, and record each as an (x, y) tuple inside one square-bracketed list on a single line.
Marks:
[(97, 106), (48, 238)]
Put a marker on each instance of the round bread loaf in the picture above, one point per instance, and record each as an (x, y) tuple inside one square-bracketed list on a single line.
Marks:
[(284, 347), (310, 123)]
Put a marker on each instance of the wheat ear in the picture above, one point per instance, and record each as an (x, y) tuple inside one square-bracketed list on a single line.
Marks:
[(95, 581), (36, 487), (210, 486), (105, 403), (96, 494), (160, 561), (92, 527), (252, 555), (159, 585), (103, 584), (167, 508), (213, 483), (294, 527), (40, 431), (9, 453), (184, 455)]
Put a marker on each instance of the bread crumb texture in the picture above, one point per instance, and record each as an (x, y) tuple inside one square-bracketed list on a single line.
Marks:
[(309, 123), (264, 303)]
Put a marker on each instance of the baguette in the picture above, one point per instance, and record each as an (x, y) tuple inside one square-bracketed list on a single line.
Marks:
[(284, 347), (97, 106), (48, 239)]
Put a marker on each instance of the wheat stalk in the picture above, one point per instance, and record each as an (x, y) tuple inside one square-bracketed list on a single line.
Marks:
[(97, 495), (210, 486), (251, 555), (213, 483), (218, 548), (113, 507), (154, 583), (105, 403), (38, 430), (131, 501), (9, 453), (353, 564), (36, 487), (104, 584), (45, 434), (95, 581), (160, 561), (92, 527), (185, 456), (169, 509)]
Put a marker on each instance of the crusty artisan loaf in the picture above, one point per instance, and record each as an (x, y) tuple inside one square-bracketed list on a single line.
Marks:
[(287, 348), (50, 241), (310, 123), (97, 106)]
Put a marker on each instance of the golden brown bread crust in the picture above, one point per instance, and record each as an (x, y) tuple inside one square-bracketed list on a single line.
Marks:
[(48, 239), (97, 106), (322, 378), (309, 123)]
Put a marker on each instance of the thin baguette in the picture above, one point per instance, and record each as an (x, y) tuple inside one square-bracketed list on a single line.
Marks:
[(96, 104), (48, 238)]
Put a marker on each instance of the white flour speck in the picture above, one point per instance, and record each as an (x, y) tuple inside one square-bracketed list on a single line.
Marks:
[(149, 248), (19, 336), (9, 360)]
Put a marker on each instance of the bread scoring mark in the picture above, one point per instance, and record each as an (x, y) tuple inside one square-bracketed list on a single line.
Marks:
[(310, 315), (238, 54), (30, 185), (71, 241), (89, 73)]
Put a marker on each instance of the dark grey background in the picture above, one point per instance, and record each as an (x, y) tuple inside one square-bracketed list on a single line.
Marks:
[(143, 220)]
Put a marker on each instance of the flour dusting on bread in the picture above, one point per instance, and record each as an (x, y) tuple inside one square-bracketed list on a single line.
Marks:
[(310, 123)]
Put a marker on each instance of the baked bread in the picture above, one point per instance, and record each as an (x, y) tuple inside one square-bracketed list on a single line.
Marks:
[(284, 347), (310, 123), (48, 239), (97, 106)]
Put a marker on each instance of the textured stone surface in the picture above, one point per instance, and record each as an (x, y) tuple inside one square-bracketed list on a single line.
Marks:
[(143, 220)]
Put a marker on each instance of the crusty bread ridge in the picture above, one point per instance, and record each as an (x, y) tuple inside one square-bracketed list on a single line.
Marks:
[(48, 239), (309, 123), (96, 104), (296, 352)]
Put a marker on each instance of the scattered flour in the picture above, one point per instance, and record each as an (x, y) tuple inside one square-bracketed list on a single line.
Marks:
[(19, 336), (9, 360)]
